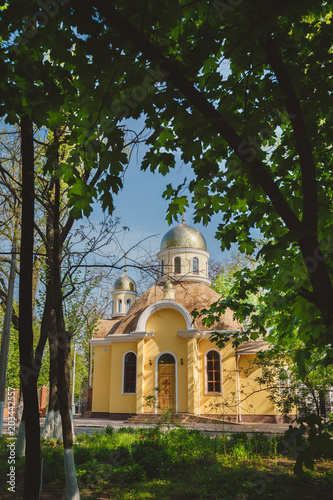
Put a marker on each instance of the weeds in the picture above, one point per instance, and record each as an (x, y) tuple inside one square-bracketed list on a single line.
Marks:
[(160, 463)]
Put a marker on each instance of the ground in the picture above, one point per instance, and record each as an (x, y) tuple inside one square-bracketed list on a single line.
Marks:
[(225, 461)]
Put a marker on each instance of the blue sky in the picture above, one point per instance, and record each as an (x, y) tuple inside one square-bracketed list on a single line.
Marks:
[(142, 208)]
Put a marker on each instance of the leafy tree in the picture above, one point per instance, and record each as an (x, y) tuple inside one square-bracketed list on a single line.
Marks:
[(51, 84), (245, 98), (288, 389)]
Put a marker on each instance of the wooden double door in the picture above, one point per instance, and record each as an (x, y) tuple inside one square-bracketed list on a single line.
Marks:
[(166, 383)]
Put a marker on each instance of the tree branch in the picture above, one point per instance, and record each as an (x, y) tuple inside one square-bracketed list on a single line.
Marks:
[(309, 182), (258, 170)]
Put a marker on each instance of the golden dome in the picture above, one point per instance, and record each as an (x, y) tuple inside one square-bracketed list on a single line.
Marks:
[(125, 283), (183, 236), (168, 286)]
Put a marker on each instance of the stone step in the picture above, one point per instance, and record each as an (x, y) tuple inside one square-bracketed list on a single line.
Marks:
[(181, 418)]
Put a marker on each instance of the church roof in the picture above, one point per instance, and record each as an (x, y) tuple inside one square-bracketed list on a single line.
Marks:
[(125, 283), (183, 236), (190, 295)]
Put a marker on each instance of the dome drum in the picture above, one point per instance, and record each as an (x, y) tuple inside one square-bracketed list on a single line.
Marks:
[(183, 255), (124, 295)]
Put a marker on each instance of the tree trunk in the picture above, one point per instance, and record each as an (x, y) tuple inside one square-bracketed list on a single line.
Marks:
[(52, 426), (28, 372), (63, 355), (322, 294), (6, 335)]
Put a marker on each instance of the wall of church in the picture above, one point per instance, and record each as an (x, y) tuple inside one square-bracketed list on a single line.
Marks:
[(118, 402), (253, 396), (242, 397), (166, 323), (225, 403), (101, 381)]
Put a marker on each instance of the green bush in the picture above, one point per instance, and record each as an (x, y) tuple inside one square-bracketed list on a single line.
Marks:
[(83, 454), (152, 461), (119, 456), (128, 474), (53, 463)]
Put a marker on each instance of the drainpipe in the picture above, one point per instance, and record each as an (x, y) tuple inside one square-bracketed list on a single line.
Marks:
[(239, 389)]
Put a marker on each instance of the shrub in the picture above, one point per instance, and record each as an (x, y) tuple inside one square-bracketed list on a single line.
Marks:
[(151, 460), (240, 451), (83, 454), (53, 464), (119, 456), (128, 473)]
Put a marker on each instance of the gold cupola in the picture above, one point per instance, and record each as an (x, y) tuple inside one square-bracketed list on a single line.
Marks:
[(124, 294), (183, 255)]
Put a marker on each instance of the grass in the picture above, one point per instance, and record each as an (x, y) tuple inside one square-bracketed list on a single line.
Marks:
[(176, 464)]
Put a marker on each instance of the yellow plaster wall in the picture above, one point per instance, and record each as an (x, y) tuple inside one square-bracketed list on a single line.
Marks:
[(101, 380), (226, 403), (118, 402), (257, 402), (166, 323)]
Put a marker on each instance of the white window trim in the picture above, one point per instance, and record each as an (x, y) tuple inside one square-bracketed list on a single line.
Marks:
[(162, 267), (206, 378), (198, 265), (123, 375), (176, 379), (173, 265), (128, 304), (120, 301)]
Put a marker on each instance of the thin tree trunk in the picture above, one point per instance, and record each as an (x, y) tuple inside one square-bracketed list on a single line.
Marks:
[(28, 372), (63, 358), (6, 335)]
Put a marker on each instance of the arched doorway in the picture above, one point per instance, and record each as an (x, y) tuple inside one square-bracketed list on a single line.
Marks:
[(166, 382)]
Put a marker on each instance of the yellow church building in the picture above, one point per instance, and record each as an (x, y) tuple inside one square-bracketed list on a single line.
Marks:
[(151, 356)]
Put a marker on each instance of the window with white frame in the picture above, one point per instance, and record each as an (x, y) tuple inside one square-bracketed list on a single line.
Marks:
[(177, 265), (195, 265), (129, 373), (128, 304), (162, 267), (213, 372), (120, 305)]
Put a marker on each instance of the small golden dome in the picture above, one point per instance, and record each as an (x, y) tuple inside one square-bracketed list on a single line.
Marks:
[(125, 283), (168, 286), (183, 236)]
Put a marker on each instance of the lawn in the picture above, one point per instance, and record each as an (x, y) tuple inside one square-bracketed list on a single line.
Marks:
[(177, 464)]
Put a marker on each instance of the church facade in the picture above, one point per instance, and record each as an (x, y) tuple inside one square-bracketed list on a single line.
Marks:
[(151, 356)]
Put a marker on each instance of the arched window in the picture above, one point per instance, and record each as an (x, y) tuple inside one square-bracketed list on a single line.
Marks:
[(128, 304), (129, 375), (177, 265), (166, 359), (162, 267), (120, 305), (195, 265), (213, 371), (113, 307)]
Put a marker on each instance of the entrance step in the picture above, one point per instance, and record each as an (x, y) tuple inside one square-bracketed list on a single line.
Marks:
[(177, 418)]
